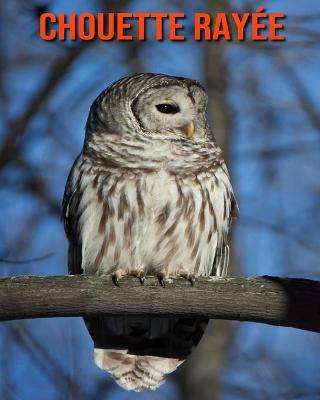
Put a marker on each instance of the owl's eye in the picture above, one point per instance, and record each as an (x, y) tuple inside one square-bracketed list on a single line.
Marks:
[(168, 108)]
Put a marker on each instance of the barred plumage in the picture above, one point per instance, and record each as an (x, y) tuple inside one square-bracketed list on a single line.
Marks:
[(149, 194)]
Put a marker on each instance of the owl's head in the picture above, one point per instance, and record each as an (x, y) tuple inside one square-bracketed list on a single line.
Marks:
[(154, 105)]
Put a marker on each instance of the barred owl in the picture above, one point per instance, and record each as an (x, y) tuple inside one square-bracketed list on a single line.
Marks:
[(149, 194)]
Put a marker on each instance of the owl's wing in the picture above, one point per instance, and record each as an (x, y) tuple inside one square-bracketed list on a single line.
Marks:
[(230, 196), (69, 217), (221, 260), (234, 207)]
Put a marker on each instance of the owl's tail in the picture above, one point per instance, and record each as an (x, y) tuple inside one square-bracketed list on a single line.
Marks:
[(138, 351), (135, 372)]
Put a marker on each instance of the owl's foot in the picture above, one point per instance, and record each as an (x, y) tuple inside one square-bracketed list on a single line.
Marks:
[(183, 273), (140, 274), (162, 278), (117, 275), (120, 273)]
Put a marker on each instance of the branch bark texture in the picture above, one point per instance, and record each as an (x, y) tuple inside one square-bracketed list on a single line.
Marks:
[(270, 300)]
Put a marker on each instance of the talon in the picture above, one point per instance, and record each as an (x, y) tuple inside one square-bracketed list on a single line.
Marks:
[(162, 279), (140, 274), (142, 280), (182, 273), (117, 275), (115, 280)]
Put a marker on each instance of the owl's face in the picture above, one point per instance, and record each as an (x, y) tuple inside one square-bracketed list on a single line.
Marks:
[(153, 105), (170, 111)]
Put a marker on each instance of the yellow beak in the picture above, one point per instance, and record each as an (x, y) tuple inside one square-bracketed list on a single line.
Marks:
[(188, 130)]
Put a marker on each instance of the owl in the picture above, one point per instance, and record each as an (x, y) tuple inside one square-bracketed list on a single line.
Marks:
[(149, 194)]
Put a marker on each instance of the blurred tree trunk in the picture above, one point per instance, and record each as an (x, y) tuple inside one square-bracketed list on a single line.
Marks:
[(199, 377)]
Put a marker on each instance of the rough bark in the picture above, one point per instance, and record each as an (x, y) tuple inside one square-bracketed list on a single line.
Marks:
[(270, 300)]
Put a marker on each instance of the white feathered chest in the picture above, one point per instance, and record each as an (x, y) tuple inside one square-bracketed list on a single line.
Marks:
[(147, 222)]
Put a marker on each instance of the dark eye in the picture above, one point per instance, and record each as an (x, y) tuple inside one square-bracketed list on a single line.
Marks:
[(168, 108)]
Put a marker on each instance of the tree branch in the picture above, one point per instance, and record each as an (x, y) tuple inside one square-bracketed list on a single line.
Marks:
[(270, 300)]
